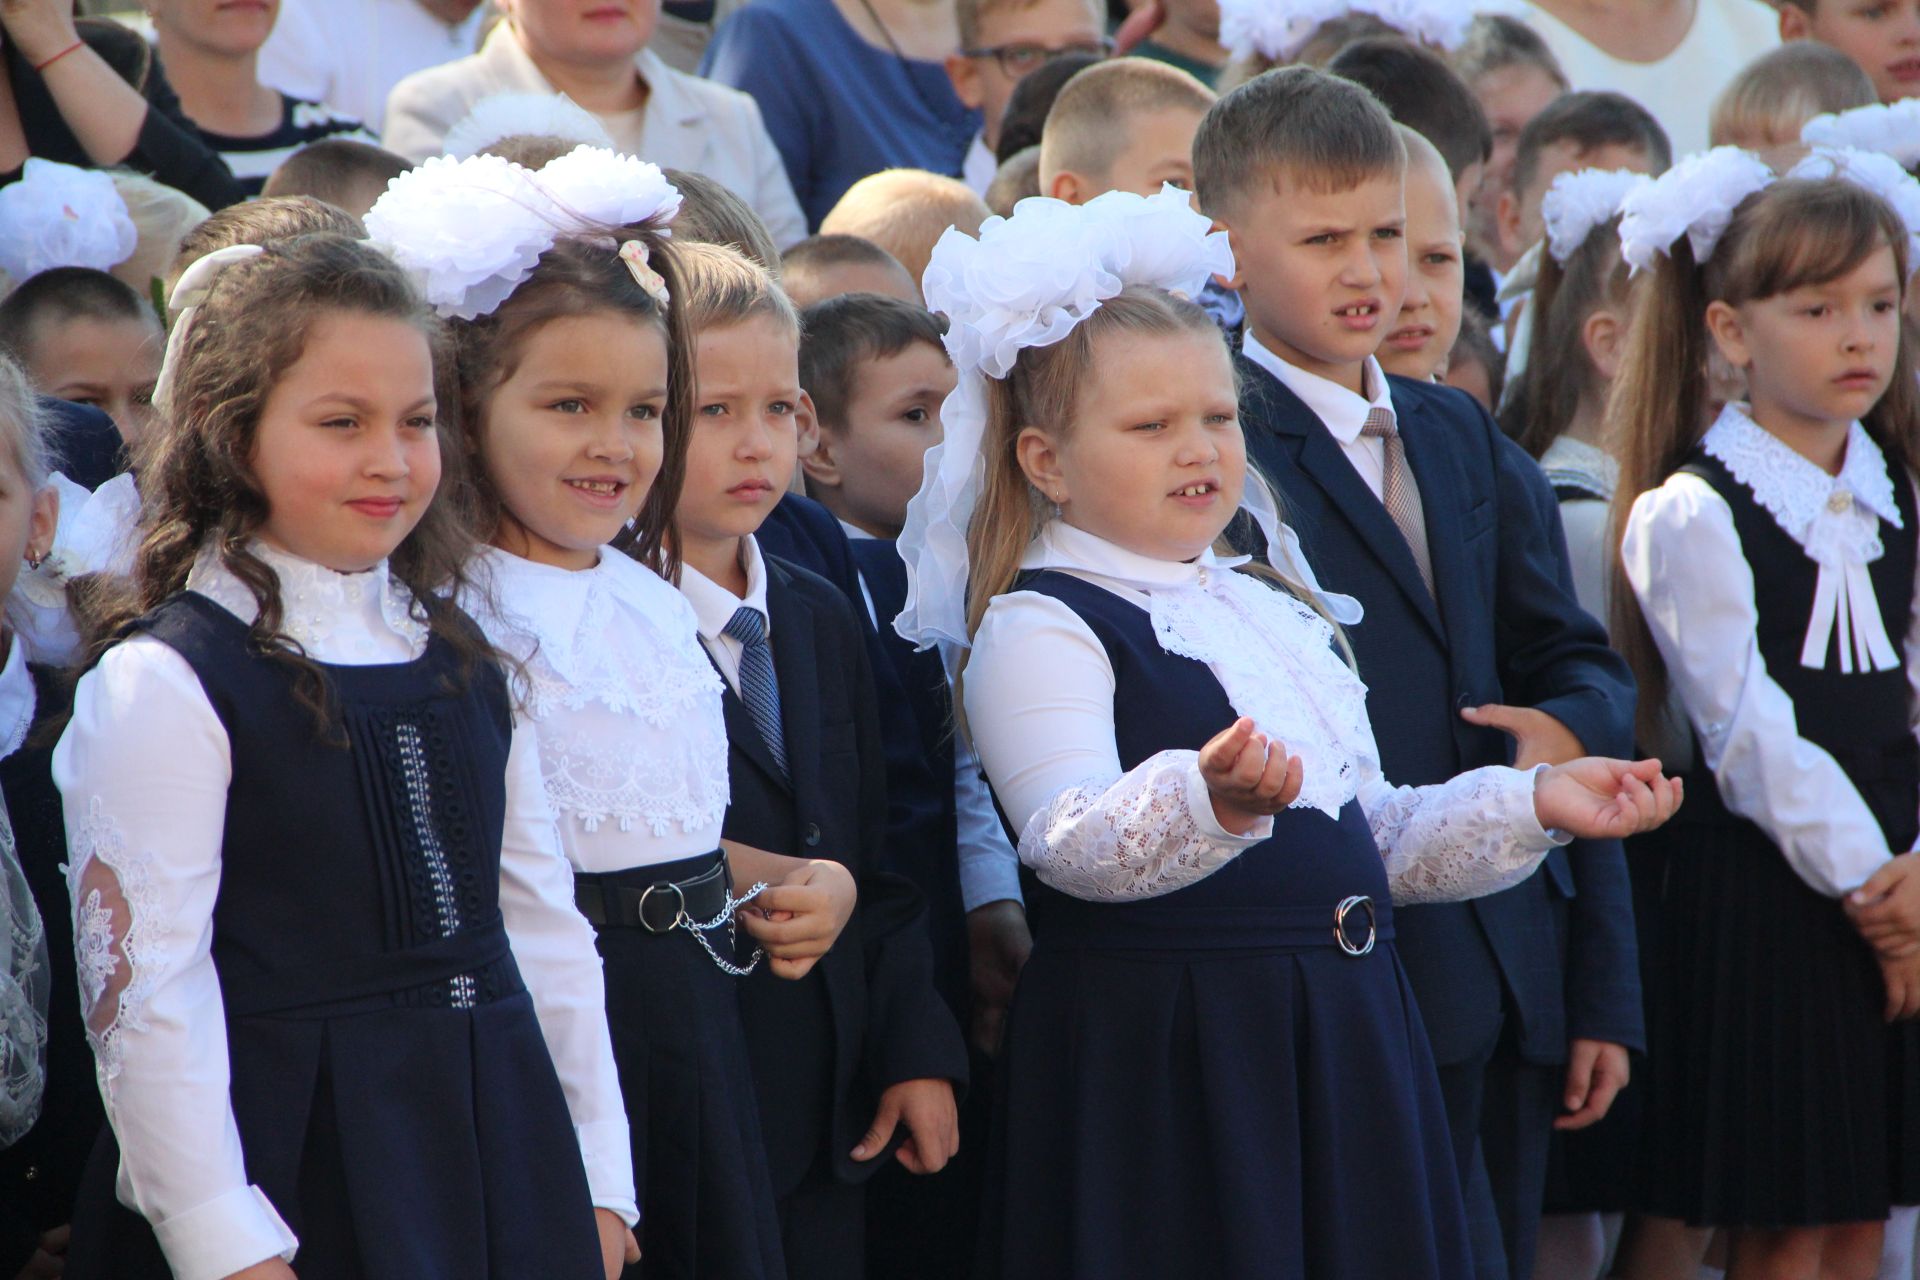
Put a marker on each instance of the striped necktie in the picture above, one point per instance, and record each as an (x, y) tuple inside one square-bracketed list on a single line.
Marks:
[(759, 689), (1399, 494)]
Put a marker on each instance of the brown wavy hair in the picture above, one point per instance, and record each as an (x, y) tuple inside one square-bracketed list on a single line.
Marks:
[(580, 275), (197, 483)]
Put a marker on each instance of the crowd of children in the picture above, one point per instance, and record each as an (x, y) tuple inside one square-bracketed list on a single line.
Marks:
[(1322, 684)]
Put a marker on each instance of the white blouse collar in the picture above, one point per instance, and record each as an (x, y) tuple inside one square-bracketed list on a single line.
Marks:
[(714, 605), (350, 618), (17, 699), (1793, 490), (1065, 546), (556, 607), (1589, 464)]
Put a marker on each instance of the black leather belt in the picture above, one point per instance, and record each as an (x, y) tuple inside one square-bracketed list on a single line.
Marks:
[(618, 898)]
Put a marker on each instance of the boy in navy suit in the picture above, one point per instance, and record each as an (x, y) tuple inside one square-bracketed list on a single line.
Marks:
[(855, 1063), (1407, 496)]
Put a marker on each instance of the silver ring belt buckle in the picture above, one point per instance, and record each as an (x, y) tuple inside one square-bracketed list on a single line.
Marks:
[(649, 919), (1340, 925)]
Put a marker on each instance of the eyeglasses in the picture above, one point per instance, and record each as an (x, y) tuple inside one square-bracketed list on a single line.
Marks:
[(1019, 60)]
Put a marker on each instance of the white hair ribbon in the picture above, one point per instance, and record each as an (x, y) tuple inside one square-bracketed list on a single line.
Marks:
[(1695, 198), (189, 292)]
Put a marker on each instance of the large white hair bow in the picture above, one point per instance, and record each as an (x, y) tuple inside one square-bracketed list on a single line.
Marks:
[(1278, 29), (1889, 127), (1876, 172), (58, 215), (1582, 200), (1696, 199), (471, 231), (1026, 281)]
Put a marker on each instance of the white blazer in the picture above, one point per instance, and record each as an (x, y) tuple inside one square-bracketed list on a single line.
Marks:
[(688, 123)]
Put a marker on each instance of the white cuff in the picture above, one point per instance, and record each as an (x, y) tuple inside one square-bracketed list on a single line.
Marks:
[(229, 1233), (992, 875), (1200, 805), (1523, 818), (606, 1147)]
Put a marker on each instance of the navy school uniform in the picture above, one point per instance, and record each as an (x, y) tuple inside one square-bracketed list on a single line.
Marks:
[(1504, 981), (395, 1099), (867, 1016)]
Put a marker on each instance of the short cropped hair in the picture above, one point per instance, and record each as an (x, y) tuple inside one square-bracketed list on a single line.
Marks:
[(711, 214), (1017, 178), (339, 171), (1782, 89), (1032, 100), (1318, 130), (1420, 90), (1495, 42), (970, 13), (61, 295), (263, 221), (803, 268), (841, 334), (905, 211), (1588, 120), (724, 287), (1091, 119)]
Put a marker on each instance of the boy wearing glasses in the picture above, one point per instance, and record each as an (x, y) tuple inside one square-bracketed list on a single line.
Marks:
[(1001, 42)]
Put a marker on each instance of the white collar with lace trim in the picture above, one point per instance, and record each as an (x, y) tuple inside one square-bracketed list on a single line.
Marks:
[(1793, 490), (553, 607), (17, 698), (350, 619), (1067, 547), (1585, 464)]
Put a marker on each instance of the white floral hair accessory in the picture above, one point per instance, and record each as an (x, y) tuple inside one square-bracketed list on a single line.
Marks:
[(1892, 128), (1026, 281), (507, 115), (58, 215), (1877, 172), (1279, 29), (1696, 199), (1580, 201), (471, 231), (189, 291)]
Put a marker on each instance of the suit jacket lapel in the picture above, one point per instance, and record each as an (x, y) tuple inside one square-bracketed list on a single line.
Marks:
[(797, 669), (1437, 471), (1318, 456)]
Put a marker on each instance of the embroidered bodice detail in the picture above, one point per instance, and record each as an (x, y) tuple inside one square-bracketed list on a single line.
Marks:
[(627, 706), (1835, 519)]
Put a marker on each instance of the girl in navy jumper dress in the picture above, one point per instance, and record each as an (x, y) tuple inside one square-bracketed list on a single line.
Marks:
[(1213, 1064), (1769, 563), (344, 1012)]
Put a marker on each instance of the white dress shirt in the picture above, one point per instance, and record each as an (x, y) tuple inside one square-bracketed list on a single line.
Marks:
[(1343, 412), (687, 123), (349, 54), (979, 168), (714, 607), (1039, 692), (143, 770), (1683, 557), (624, 705), (1586, 523)]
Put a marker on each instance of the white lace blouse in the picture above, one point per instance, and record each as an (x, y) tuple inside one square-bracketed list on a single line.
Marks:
[(1039, 693), (143, 770), (625, 705), (1683, 557)]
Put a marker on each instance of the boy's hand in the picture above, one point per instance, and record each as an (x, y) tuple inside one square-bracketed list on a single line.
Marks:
[(617, 1245), (1250, 776), (927, 1109), (1596, 1073), (1902, 976), (1604, 799), (998, 945), (1538, 738), (1886, 909), (798, 920)]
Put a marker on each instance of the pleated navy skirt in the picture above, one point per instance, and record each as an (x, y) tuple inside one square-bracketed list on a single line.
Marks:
[(1205, 1084), (699, 1162)]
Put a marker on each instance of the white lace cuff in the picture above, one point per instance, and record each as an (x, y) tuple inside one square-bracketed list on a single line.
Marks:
[(1464, 838), (1146, 833), (226, 1234)]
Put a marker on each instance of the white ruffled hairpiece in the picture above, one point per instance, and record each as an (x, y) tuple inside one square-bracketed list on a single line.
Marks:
[(1876, 172), (58, 215), (1026, 281), (506, 115), (1582, 200), (1279, 29), (189, 291), (1892, 128), (471, 231), (1695, 198)]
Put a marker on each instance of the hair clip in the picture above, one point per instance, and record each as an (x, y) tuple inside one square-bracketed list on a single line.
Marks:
[(634, 254)]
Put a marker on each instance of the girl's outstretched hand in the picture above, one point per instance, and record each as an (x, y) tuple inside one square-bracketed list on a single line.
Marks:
[(1249, 776), (798, 920), (1600, 799)]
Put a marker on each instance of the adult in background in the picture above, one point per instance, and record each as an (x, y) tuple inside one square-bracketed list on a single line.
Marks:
[(1673, 57), (350, 53), (89, 93), (212, 51), (848, 88), (595, 52)]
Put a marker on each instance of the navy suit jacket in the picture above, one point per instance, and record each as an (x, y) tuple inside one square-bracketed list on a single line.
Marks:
[(1555, 955), (867, 1016)]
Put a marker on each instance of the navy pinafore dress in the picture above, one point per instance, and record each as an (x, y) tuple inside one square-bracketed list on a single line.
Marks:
[(1205, 1084), (394, 1096)]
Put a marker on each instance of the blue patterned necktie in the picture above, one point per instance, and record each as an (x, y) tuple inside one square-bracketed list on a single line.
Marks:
[(758, 687)]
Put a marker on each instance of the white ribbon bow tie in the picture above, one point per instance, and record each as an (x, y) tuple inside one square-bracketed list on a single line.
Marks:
[(1844, 539)]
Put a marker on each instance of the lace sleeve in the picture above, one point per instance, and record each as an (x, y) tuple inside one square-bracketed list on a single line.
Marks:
[(23, 996), (1146, 833), (1464, 838)]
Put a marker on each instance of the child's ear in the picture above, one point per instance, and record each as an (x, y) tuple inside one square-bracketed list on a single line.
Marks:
[(1506, 217), (1601, 335), (965, 74), (1238, 279), (806, 428), (1795, 23), (822, 466), (46, 519), (1067, 186), (1723, 323), (1040, 459)]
